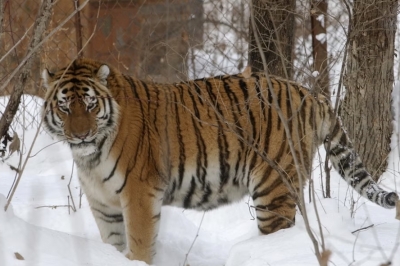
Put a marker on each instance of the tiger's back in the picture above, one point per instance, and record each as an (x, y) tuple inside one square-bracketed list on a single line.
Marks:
[(215, 135), (195, 144)]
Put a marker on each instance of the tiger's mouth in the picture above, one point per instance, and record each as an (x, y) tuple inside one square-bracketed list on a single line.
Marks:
[(88, 141), (88, 138)]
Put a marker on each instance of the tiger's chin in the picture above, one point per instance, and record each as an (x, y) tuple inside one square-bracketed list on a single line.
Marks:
[(83, 149)]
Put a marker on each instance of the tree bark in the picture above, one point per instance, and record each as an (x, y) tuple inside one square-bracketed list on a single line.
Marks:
[(274, 24), (366, 108), (319, 45), (39, 28), (78, 29), (1, 20)]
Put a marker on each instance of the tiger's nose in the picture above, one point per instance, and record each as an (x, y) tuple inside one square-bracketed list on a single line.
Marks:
[(81, 136)]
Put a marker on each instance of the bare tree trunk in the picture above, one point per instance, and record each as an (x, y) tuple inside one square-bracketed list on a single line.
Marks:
[(1, 19), (78, 29), (319, 45), (274, 24), (366, 109), (40, 26)]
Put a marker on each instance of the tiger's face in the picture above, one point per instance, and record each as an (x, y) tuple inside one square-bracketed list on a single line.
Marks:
[(79, 108)]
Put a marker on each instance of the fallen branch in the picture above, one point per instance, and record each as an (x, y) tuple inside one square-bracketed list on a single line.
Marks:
[(53, 206), (363, 228)]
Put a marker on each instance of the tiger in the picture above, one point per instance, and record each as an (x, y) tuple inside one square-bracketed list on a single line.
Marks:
[(196, 144)]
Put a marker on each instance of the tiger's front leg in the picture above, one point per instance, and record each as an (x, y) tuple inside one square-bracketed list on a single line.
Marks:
[(110, 222), (141, 204)]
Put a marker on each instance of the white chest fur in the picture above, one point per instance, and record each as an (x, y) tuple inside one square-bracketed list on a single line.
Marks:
[(98, 183)]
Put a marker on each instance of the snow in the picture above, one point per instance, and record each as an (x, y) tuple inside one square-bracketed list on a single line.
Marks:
[(321, 37), (40, 229), (321, 19)]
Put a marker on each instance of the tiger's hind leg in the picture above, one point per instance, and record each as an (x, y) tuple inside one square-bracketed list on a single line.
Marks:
[(274, 205)]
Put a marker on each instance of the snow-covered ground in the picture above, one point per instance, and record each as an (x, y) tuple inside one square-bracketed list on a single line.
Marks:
[(39, 228)]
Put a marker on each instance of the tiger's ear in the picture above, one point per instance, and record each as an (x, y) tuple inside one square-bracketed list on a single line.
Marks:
[(102, 74), (47, 77)]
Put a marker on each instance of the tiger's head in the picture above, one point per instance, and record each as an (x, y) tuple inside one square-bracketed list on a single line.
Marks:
[(79, 108)]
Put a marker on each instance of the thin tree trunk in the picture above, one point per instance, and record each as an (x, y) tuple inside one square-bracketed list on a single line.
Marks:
[(78, 29), (319, 45), (1, 20), (274, 24), (41, 23), (366, 109), (320, 56)]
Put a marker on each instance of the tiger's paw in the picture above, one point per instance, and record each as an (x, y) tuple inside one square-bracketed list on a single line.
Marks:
[(128, 253)]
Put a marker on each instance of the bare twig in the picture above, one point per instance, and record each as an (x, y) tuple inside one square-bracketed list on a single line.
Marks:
[(362, 228), (53, 206), (194, 240), (22, 169), (317, 215), (80, 197), (69, 189), (69, 212)]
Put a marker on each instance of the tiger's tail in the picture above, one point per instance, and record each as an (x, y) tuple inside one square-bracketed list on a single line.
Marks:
[(347, 162)]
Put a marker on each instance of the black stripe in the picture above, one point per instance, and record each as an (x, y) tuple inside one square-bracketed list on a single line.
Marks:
[(128, 171), (113, 234), (236, 111), (243, 87), (355, 168), (264, 178), (337, 150), (256, 194), (156, 217), (344, 163), (110, 218), (251, 166), (182, 155), (108, 101), (302, 113), (359, 177), (188, 198), (258, 91), (201, 160), (223, 146), (194, 103), (207, 193), (197, 88), (288, 107), (115, 166), (224, 153), (235, 180), (269, 122), (281, 104)]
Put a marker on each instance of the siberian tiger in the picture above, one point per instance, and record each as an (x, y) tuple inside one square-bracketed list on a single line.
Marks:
[(197, 144)]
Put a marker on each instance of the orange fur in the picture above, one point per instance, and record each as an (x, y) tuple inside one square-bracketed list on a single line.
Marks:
[(196, 144)]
